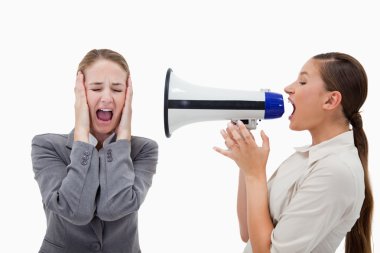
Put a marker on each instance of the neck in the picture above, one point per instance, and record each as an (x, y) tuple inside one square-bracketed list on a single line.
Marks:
[(327, 131), (100, 138)]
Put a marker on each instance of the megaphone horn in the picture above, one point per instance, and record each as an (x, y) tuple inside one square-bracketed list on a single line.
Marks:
[(186, 103)]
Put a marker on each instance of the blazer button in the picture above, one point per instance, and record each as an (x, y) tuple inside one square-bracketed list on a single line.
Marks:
[(86, 153), (109, 155), (84, 162)]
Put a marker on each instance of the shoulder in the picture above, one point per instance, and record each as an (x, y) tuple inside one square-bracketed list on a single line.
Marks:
[(143, 142), (343, 166), (342, 173), (143, 146), (49, 140)]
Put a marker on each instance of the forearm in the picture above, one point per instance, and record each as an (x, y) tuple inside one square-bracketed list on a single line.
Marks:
[(242, 207), (81, 183), (260, 225), (117, 176), (124, 184), (67, 190)]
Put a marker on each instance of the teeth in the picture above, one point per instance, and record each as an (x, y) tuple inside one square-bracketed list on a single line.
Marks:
[(106, 110)]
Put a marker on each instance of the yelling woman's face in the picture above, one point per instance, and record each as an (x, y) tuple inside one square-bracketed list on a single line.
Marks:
[(106, 84), (308, 96)]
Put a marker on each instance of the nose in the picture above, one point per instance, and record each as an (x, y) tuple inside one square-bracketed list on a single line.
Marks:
[(106, 97), (289, 89)]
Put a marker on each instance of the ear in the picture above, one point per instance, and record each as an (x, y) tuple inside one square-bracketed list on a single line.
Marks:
[(333, 100)]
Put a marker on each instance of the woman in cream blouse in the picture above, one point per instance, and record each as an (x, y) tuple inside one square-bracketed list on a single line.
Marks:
[(321, 193)]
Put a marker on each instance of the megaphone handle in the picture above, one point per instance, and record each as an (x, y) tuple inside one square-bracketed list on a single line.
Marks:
[(249, 123)]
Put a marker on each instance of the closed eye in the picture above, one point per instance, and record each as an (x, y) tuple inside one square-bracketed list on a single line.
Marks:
[(302, 83)]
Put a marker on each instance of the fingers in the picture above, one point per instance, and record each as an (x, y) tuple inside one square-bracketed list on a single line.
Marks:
[(265, 139), (123, 130), (129, 92), (240, 134), (222, 151), (129, 81), (245, 133), (79, 80), (82, 118), (228, 140), (79, 86)]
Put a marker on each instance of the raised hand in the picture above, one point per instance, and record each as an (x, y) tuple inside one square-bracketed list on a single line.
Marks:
[(243, 149), (82, 114), (124, 129)]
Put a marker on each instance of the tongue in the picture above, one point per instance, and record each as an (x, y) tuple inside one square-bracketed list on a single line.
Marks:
[(104, 116)]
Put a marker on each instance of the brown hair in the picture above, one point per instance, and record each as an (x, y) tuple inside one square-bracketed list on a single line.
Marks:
[(106, 54), (343, 73)]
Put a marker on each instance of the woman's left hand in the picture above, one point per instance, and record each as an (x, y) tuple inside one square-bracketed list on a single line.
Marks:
[(243, 149), (124, 129)]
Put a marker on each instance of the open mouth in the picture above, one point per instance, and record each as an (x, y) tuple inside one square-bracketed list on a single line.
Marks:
[(294, 107), (104, 114)]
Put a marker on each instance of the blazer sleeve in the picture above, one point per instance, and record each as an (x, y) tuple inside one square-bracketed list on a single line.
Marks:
[(67, 190), (124, 182)]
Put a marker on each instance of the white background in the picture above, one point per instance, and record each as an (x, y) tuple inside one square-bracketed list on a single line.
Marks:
[(191, 206)]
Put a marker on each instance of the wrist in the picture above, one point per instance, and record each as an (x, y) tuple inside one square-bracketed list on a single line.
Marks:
[(124, 135), (255, 178), (81, 135)]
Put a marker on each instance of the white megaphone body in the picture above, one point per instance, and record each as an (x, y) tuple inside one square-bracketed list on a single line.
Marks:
[(186, 103)]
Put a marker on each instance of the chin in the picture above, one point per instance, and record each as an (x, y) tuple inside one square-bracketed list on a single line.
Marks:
[(107, 130), (102, 130), (294, 127)]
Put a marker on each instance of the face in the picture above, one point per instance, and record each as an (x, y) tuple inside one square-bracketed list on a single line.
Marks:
[(308, 96), (105, 83)]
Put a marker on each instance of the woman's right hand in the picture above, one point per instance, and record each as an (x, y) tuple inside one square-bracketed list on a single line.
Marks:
[(82, 114)]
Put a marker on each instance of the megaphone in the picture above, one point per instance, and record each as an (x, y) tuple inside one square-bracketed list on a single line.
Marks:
[(186, 103)]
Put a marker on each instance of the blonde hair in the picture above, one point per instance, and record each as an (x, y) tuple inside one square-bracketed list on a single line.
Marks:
[(106, 54)]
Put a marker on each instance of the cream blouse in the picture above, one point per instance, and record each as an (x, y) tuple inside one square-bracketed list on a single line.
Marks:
[(315, 197)]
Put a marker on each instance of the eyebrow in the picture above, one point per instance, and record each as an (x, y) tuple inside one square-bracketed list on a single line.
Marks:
[(304, 73), (100, 83)]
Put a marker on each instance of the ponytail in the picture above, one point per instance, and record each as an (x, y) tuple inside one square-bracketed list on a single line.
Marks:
[(342, 72), (358, 240)]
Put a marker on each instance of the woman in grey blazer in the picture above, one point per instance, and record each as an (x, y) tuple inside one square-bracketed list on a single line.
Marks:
[(94, 179)]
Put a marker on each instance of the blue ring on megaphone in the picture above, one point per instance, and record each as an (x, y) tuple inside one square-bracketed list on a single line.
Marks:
[(274, 105)]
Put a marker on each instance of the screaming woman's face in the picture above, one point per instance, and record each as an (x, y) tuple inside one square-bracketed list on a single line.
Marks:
[(106, 84)]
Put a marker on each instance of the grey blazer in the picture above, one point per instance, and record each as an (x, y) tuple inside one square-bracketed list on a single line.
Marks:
[(91, 197)]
